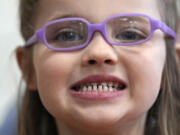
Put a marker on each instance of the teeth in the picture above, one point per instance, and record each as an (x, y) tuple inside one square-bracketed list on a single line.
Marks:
[(94, 86), (84, 88), (109, 86), (100, 87), (105, 88), (89, 88)]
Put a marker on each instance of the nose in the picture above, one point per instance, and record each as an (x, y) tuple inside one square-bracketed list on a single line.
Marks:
[(99, 52)]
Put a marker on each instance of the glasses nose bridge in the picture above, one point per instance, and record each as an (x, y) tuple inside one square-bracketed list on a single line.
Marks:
[(100, 27)]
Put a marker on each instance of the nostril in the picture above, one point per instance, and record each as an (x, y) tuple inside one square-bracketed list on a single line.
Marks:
[(92, 62), (107, 61)]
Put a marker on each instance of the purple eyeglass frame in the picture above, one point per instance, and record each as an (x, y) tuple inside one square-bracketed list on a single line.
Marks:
[(155, 24)]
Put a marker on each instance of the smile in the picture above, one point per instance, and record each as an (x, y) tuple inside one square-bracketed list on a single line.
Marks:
[(105, 86), (98, 87)]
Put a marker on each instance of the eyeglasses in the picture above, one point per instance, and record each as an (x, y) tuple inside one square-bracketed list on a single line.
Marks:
[(70, 34)]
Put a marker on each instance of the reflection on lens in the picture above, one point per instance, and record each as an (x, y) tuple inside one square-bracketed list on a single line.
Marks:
[(67, 34), (128, 29)]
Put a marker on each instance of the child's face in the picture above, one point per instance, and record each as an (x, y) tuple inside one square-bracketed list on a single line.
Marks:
[(139, 66)]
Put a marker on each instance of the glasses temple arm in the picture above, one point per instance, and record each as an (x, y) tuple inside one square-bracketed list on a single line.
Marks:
[(167, 30), (32, 40)]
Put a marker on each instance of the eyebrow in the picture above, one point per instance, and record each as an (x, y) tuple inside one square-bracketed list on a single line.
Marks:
[(65, 16)]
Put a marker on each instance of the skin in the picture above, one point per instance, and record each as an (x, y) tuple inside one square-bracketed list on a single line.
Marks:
[(139, 66), (178, 43)]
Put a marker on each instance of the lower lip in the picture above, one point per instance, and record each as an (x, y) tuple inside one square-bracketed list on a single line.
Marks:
[(99, 95)]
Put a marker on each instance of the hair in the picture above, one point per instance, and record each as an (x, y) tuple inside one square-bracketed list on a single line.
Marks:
[(178, 7), (163, 116)]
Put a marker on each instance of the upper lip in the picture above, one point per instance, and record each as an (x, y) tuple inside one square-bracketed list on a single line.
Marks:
[(98, 79)]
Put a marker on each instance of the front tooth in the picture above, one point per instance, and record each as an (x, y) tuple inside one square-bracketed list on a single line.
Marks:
[(89, 88), (110, 88), (84, 88), (94, 86), (110, 84), (105, 88), (100, 87)]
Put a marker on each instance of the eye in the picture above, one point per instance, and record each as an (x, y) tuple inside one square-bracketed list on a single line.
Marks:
[(131, 36), (66, 36)]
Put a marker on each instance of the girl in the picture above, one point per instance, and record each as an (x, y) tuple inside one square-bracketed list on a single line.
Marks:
[(99, 67)]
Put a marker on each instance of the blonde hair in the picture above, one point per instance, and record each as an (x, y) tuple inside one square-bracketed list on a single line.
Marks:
[(163, 117)]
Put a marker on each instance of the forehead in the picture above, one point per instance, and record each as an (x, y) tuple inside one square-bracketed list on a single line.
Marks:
[(94, 10)]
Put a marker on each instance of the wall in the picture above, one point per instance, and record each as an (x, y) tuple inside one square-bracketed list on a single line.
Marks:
[(9, 39)]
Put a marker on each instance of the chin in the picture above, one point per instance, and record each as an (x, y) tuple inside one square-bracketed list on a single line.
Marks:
[(103, 120)]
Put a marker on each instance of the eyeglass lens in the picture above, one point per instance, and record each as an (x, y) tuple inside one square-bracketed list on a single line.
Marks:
[(123, 29), (128, 29), (67, 34)]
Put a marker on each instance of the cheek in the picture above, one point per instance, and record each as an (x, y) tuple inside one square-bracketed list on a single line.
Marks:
[(53, 74), (144, 71)]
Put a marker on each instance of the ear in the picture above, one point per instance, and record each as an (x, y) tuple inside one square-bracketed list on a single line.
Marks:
[(178, 45), (25, 62), (178, 52)]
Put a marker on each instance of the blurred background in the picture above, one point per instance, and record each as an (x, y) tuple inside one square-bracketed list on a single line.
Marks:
[(9, 39)]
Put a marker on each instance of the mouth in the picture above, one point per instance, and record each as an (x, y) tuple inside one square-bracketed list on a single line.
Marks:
[(99, 83)]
